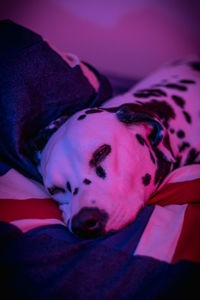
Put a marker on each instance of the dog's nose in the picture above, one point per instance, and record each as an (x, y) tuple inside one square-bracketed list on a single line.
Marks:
[(89, 222)]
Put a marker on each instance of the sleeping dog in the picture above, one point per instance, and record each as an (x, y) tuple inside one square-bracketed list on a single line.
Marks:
[(103, 164)]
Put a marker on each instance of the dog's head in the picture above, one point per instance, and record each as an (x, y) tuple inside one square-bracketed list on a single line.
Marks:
[(102, 165)]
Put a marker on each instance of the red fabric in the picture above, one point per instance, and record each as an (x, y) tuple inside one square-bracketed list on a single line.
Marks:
[(188, 246), (177, 193), (12, 210), (187, 192)]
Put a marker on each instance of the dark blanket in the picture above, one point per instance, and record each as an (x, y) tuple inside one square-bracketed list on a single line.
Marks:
[(49, 263), (37, 86)]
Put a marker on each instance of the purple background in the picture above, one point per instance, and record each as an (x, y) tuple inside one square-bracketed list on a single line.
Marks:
[(123, 37)]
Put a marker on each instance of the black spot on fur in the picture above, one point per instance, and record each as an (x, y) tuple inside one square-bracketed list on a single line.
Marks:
[(164, 166), (181, 134), (187, 81), (192, 155), (146, 93), (176, 87), (55, 190), (146, 179), (69, 186), (81, 117), (100, 154), (172, 130), (100, 172), (111, 109), (166, 143), (160, 92), (177, 163), (140, 139), (162, 109), (178, 100), (187, 117), (152, 108), (141, 94), (183, 146), (195, 66), (93, 111), (86, 181), (75, 191)]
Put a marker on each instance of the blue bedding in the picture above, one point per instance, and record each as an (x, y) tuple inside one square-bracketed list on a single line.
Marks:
[(49, 263)]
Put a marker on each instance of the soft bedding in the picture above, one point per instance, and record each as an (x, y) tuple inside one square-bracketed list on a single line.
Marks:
[(155, 257)]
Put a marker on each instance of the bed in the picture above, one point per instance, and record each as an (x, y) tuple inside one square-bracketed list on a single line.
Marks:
[(155, 257)]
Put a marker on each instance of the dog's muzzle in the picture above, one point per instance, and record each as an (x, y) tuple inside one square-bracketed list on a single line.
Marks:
[(89, 223)]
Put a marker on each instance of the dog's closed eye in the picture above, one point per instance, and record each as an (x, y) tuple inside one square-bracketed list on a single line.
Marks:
[(55, 190), (100, 154)]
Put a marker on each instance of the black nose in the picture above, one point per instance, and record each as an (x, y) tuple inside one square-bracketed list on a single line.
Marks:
[(89, 222)]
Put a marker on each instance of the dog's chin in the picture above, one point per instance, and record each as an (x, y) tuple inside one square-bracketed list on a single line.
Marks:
[(117, 227), (120, 225)]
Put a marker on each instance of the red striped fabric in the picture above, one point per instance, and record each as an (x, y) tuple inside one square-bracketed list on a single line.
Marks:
[(176, 228), (188, 246), (33, 208), (161, 234), (177, 193), (180, 193)]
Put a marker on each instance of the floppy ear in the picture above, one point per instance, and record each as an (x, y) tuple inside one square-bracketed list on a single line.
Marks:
[(38, 141), (126, 114), (131, 113)]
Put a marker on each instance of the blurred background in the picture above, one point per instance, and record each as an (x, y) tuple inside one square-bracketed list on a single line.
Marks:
[(126, 38)]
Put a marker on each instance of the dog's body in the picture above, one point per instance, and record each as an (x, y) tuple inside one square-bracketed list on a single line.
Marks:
[(103, 164)]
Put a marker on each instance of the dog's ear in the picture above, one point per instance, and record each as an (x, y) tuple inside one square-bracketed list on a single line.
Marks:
[(136, 114), (126, 114), (38, 142)]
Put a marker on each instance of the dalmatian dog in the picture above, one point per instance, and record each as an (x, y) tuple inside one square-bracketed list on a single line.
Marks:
[(103, 164)]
